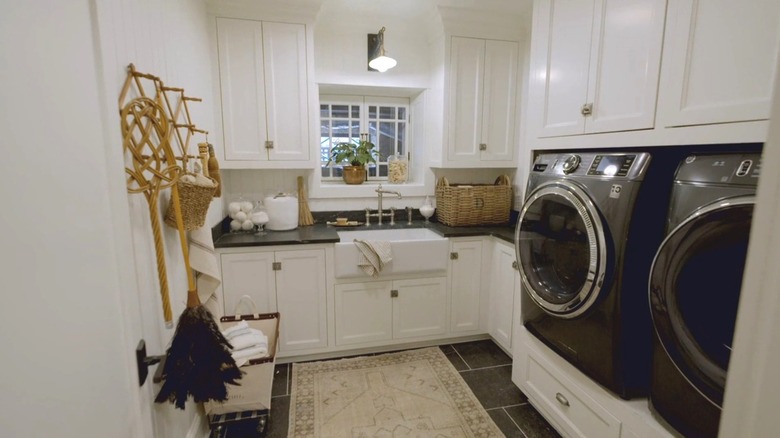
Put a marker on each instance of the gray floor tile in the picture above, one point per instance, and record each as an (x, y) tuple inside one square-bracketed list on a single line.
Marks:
[(281, 382), (505, 423), (454, 357), (480, 354), (531, 422), (493, 387), (280, 417)]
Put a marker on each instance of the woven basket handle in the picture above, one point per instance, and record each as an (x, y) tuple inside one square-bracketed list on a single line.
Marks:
[(443, 182), (248, 302), (503, 180)]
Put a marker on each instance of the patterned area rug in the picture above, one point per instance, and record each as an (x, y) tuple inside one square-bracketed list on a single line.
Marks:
[(414, 394)]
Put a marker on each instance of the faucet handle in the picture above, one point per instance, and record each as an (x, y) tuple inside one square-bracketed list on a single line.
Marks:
[(409, 211), (392, 215), (379, 188)]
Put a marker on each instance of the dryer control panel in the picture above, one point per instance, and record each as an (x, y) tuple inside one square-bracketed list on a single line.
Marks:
[(611, 165), (602, 165)]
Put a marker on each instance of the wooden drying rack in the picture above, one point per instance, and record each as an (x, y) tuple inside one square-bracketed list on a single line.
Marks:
[(173, 113)]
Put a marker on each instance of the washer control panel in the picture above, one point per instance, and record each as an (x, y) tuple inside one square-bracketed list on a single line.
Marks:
[(611, 165)]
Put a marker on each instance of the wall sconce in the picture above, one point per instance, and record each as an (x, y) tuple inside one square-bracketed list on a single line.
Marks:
[(377, 60)]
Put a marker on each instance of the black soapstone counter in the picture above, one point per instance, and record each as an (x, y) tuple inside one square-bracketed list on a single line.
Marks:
[(320, 232)]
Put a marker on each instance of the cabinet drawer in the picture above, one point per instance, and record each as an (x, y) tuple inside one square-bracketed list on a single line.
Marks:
[(579, 415)]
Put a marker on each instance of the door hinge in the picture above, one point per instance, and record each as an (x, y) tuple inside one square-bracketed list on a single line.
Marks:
[(276, 266), (394, 293), (453, 256)]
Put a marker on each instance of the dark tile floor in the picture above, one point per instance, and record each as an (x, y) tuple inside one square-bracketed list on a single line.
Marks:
[(485, 368)]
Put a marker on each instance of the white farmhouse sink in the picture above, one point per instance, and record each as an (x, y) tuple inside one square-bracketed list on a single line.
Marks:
[(413, 250)]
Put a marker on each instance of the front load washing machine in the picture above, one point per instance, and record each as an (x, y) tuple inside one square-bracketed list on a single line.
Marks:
[(694, 288), (585, 239)]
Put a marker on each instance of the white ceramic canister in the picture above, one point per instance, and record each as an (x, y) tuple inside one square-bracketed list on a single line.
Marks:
[(282, 212)]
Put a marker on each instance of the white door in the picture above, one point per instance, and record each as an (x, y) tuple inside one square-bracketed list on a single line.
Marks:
[(499, 101), (251, 274), (561, 54), (286, 92), (502, 291), (242, 86), (625, 64), (466, 81), (419, 307), (719, 61), (465, 285), (364, 312), (301, 294)]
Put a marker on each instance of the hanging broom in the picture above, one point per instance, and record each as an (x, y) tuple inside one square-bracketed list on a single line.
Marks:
[(198, 361)]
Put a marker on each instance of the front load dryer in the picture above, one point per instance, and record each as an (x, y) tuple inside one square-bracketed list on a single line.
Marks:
[(694, 288), (585, 239)]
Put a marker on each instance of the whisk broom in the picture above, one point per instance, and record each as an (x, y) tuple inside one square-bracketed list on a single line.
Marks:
[(304, 214)]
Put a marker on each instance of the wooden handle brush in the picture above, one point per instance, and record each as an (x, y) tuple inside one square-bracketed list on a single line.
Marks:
[(304, 214)]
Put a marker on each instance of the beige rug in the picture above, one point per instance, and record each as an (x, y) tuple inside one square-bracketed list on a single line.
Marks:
[(414, 394)]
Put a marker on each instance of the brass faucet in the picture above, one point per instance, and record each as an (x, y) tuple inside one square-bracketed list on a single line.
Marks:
[(380, 212)]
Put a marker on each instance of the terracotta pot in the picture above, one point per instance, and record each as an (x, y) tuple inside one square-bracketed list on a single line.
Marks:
[(354, 174)]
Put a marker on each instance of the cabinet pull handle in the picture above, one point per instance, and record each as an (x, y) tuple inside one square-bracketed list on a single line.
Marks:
[(561, 399), (269, 144), (276, 266), (515, 266), (394, 293), (483, 146), (453, 256), (587, 109)]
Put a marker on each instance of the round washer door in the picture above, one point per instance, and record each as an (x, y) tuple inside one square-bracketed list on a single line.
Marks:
[(561, 247), (694, 288)]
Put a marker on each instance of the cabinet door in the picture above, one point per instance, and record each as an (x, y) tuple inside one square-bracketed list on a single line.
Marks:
[(249, 274), (420, 308), (466, 282), (241, 80), (562, 56), (502, 291), (625, 64), (498, 104), (286, 92), (364, 312), (719, 59), (466, 76), (301, 294)]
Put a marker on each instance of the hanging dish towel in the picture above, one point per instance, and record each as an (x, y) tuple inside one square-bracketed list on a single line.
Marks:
[(373, 256), (204, 261)]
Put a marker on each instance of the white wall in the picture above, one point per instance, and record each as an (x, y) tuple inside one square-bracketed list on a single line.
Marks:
[(62, 322), (170, 40)]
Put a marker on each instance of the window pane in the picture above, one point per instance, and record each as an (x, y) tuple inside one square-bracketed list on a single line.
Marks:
[(325, 171), (383, 170), (340, 130), (355, 111), (386, 139), (340, 111), (387, 113), (372, 112), (401, 113), (355, 129), (324, 111), (401, 149)]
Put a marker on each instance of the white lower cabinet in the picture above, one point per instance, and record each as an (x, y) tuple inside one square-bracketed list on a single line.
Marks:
[(465, 285), (377, 311), (292, 282), (502, 293), (575, 405)]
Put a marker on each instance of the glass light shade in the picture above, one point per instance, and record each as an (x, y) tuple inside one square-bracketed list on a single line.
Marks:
[(382, 63)]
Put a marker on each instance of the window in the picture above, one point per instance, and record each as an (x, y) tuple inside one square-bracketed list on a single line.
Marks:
[(344, 118)]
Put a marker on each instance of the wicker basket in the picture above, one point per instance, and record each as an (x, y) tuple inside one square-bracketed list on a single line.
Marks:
[(195, 200), (473, 204)]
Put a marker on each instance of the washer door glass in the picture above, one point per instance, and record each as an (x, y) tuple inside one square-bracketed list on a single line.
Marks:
[(560, 245), (694, 288)]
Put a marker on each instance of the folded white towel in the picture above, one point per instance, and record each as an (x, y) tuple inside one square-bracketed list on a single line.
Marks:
[(253, 338), (235, 330), (243, 356), (373, 256)]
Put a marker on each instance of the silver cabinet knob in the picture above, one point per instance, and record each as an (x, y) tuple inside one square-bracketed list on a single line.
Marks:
[(483, 146), (587, 109)]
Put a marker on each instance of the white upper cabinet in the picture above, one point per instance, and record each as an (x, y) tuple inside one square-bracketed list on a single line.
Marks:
[(264, 90), (482, 101), (595, 64), (719, 58)]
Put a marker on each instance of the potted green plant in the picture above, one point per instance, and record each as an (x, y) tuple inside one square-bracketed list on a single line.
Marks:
[(357, 155)]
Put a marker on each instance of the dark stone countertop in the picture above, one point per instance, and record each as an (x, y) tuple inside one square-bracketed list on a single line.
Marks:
[(322, 233)]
